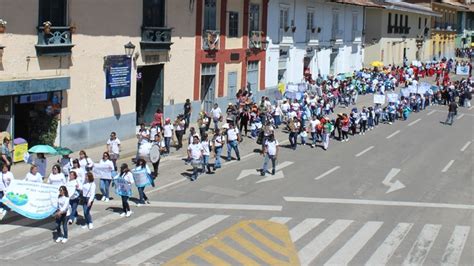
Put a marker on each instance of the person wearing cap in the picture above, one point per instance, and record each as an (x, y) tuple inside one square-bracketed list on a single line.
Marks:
[(168, 134)]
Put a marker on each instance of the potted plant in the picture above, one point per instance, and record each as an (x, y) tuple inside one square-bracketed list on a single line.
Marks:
[(47, 27), (3, 25)]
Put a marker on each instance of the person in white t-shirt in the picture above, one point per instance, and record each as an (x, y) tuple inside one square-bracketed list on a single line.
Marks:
[(270, 152), (216, 113), (168, 134), (6, 178), (195, 155), (233, 139), (56, 177), (113, 147), (33, 175), (313, 123), (205, 154)]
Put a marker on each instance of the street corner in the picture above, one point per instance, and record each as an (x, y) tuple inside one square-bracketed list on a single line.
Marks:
[(249, 242)]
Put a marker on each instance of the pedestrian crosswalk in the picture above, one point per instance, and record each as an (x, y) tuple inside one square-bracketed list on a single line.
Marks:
[(156, 238)]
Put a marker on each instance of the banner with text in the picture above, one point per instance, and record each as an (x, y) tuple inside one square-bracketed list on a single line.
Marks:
[(462, 70), (118, 70), (141, 178), (32, 200), (379, 99), (102, 171)]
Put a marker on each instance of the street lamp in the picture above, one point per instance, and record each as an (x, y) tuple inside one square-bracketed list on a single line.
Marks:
[(129, 49)]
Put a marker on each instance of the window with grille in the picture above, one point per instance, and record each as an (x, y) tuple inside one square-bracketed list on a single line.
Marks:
[(210, 15), (54, 11), (254, 17), (154, 13), (233, 24)]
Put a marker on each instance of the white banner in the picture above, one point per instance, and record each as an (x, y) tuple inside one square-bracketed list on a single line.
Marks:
[(102, 170), (392, 97), (379, 99), (413, 89), (462, 70), (405, 92), (31, 199)]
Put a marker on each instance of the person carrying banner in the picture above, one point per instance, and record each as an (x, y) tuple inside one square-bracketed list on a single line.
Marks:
[(142, 166), (56, 177), (6, 178), (123, 183), (33, 175), (88, 196), (106, 179), (61, 215)]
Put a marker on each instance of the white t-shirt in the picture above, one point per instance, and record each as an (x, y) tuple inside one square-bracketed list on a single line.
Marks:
[(285, 107), (314, 124), (196, 150), (57, 179), (271, 147), (216, 112), (205, 147), (5, 180), (168, 131), (142, 135), (110, 165), (34, 178), (86, 162), (232, 134), (154, 131), (219, 141), (81, 175), (114, 145)]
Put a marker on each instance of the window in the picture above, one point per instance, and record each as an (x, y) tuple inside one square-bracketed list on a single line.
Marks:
[(401, 24), (396, 24), (233, 24), (419, 23), (54, 11), (154, 13), (283, 18), (254, 17), (210, 15), (310, 20), (406, 24), (389, 30), (355, 18), (335, 24), (426, 22)]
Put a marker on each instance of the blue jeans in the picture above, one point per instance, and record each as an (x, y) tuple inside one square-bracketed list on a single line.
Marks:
[(314, 136), (217, 163), (167, 144), (293, 139), (74, 203), (233, 144), (205, 163), (277, 119), (141, 193), (450, 118), (87, 211), (61, 221), (265, 162), (216, 123), (104, 187)]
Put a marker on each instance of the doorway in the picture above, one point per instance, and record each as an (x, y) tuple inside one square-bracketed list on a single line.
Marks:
[(149, 92), (208, 86)]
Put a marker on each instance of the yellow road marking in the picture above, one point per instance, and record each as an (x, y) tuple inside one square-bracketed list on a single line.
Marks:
[(234, 233)]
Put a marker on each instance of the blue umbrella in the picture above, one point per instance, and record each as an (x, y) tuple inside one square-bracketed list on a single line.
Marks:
[(42, 149)]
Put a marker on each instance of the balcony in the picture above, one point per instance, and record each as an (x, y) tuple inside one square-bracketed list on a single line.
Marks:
[(210, 40), (337, 35), (286, 36), (257, 40), (356, 36), (312, 36), (56, 41), (156, 39), (444, 26)]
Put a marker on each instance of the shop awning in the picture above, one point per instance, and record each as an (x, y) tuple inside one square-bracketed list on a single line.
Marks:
[(30, 86)]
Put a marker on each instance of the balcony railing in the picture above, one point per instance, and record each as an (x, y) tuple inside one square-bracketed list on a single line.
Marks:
[(337, 34), (312, 36), (356, 35), (156, 38), (210, 40), (445, 26), (54, 41), (256, 40), (286, 35)]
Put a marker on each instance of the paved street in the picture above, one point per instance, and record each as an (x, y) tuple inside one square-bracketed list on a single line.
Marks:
[(400, 194)]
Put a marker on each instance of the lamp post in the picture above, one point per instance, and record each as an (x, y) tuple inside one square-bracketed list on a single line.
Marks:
[(129, 49)]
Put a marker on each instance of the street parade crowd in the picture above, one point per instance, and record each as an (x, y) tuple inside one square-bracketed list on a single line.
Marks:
[(305, 112)]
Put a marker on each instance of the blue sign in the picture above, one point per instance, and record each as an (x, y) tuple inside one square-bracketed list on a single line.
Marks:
[(117, 76)]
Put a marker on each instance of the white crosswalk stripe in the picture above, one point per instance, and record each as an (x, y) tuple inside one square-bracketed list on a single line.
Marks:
[(106, 235), (48, 243), (317, 245), (420, 250), (355, 244), (453, 252), (139, 238), (172, 241), (333, 236), (385, 251)]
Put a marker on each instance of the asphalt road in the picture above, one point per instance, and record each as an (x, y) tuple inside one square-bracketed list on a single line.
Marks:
[(400, 194)]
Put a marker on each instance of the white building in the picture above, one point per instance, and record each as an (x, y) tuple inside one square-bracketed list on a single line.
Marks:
[(318, 36)]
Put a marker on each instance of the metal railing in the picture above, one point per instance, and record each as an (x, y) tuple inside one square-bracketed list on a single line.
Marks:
[(256, 40), (55, 36), (156, 34), (210, 40)]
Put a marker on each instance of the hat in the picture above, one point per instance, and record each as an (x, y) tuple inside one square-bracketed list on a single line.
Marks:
[(229, 104), (168, 120)]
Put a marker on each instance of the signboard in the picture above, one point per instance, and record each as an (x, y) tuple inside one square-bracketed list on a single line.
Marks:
[(102, 170), (32, 200), (118, 70), (141, 178), (462, 70), (379, 99), (392, 97), (122, 187)]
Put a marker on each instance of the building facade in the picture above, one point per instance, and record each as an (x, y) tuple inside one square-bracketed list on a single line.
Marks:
[(401, 34), (465, 25), (56, 56), (312, 37)]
